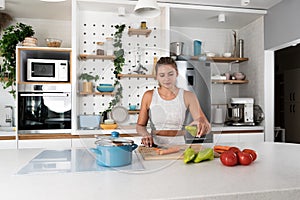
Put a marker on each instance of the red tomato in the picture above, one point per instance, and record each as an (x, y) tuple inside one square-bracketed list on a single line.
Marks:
[(229, 158), (234, 149), (252, 152), (244, 158)]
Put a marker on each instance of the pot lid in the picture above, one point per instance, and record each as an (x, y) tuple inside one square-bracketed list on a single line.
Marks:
[(111, 141)]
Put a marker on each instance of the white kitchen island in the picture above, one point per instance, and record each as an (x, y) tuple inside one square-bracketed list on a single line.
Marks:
[(274, 175)]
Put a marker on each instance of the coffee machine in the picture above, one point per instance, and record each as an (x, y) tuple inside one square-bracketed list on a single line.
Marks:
[(240, 112)]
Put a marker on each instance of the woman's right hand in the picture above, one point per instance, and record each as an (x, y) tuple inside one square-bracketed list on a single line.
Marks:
[(147, 140)]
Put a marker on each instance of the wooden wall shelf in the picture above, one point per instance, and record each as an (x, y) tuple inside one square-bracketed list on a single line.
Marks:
[(230, 81), (133, 111), (136, 76), (90, 56), (133, 31), (222, 59)]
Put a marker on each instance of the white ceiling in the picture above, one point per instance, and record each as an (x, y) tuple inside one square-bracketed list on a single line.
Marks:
[(62, 11), (256, 4)]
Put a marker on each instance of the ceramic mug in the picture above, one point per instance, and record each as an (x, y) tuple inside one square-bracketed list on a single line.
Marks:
[(132, 107)]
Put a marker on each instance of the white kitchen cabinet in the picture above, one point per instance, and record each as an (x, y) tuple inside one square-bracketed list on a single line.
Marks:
[(45, 143), (238, 137), (8, 144), (83, 142)]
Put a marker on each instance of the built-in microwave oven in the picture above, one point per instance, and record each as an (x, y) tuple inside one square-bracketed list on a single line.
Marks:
[(47, 70)]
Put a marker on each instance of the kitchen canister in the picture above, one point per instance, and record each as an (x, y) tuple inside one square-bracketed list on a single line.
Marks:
[(218, 117), (241, 48), (197, 47)]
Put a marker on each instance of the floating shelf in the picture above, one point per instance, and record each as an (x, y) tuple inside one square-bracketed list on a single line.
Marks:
[(145, 32), (230, 81), (97, 93), (90, 56), (136, 76), (133, 111), (222, 59)]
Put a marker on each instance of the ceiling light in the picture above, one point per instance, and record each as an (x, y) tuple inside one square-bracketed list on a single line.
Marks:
[(121, 11), (245, 2), (221, 18), (147, 8)]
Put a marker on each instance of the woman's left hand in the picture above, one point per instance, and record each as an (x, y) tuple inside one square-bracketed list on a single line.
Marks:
[(203, 126)]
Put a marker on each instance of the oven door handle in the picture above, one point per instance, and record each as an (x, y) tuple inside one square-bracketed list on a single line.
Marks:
[(46, 95)]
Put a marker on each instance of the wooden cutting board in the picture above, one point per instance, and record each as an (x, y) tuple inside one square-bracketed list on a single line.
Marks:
[(149, 153)]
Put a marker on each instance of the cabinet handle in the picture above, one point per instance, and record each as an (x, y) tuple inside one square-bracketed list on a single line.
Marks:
[(294, 96), (294, 110), (46, 95), (291, 110)]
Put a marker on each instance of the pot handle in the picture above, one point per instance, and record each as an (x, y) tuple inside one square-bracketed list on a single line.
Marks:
[(134, 146), (96, 151)]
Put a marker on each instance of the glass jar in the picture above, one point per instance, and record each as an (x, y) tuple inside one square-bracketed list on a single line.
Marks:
[(100, 48), (109, 46), (143, 25)]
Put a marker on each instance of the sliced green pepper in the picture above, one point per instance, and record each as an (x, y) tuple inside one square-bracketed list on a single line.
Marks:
[(189, 155), (205, 154)]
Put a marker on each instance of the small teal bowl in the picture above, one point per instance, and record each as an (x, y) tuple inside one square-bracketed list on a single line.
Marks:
[(132, 107), (105, 88), (105, 84)]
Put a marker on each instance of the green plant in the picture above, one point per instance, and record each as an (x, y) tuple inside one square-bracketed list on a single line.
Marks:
[(119, 62), (88, 77), (11, 37)]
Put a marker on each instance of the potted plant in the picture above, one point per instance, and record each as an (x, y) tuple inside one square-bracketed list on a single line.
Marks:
[(11, 37), (87, 85)]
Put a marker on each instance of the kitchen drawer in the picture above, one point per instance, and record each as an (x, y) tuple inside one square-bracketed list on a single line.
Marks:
[(8, 144), (239, 137), (45, 143)]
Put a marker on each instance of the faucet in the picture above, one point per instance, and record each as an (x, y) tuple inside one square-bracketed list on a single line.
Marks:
[(12, 119)]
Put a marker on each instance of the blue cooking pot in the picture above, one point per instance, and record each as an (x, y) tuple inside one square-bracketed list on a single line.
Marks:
[(114, 151)]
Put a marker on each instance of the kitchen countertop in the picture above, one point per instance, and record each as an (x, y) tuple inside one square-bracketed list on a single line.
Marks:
[(130, 129), (274, 175)]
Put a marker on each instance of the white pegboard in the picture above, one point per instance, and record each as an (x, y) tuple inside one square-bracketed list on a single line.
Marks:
[(95, 27)]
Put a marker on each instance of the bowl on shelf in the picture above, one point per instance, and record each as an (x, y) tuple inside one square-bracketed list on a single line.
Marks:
[(53, 42), (105, 88), (105, 84), (239, 75), (227, 54), (109, 126)]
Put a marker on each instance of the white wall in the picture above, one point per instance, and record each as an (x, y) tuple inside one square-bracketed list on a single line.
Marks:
[(50, 29), (43, 29)]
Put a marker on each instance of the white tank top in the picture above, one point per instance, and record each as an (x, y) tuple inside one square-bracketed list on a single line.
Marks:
[(167, 114)]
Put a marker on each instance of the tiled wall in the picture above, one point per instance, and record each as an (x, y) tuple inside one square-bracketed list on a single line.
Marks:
[(254, 68)]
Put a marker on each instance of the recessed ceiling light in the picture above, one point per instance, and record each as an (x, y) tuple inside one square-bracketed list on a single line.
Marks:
[(245, 2)]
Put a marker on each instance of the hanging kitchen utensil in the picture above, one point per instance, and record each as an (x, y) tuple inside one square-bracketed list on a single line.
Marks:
[(119, 114)]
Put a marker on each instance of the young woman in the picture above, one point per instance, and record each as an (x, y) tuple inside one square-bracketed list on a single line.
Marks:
[(166, 107)]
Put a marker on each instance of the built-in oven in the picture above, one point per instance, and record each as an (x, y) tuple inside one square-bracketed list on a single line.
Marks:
[(44, 108)]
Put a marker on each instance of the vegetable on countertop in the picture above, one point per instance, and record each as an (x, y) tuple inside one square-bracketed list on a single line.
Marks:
[(220, 148), (206, 154), (191, 156)]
